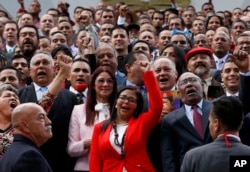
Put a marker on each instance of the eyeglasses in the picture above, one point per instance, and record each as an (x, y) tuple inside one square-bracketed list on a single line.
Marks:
[(181, 42), (185, 81), (129, 99)]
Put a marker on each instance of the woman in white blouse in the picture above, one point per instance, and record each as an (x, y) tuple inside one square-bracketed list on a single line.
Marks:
[(100, 99)]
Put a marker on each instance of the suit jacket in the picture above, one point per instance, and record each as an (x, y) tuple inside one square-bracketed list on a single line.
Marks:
[(178, 136), (103, 157), (213, 157), (23, 155), (215, 90), (55, 149), (244, 92)]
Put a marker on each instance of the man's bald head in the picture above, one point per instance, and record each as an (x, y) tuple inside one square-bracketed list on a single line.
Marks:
[(31, 121)]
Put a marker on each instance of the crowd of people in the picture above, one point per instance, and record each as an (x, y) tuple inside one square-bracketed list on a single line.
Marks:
[(111, 89)]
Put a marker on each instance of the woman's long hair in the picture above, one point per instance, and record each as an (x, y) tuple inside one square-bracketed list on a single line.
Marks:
[(138, 109), (181, 64), (91, 96)]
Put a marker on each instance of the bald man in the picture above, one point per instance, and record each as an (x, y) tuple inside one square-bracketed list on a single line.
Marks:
[(32, 129)]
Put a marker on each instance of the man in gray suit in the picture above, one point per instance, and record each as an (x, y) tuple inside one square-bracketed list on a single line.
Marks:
[(226, 119), (187, 127)]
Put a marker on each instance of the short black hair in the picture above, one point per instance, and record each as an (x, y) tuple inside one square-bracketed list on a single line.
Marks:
[(29, 26), (119, 27), (229, 111), (63, 48), (12, 68), (240, 21), (130, 59), (19, 56)]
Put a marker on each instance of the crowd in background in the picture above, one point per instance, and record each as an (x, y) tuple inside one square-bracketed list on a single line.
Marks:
[(123, 90)]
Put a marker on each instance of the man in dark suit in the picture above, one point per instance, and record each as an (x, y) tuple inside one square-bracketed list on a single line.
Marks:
[(32, 129), (187, 127), (226, 118), (42, 74)]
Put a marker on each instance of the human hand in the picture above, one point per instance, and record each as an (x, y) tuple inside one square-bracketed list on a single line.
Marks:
[(241, 59), (64, 62), (123, 10), (87, 144)]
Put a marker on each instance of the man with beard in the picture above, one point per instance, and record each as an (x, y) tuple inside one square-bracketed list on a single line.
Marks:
[(199, 61), (187, 127), (28, 40)]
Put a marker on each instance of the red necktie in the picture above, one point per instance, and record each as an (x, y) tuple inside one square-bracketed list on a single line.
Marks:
[(197, 121)]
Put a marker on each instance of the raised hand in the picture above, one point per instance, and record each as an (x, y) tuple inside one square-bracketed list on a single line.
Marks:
[(241, 59)]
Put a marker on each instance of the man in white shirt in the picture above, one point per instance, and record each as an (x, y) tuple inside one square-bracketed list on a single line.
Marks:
[(220, 48)]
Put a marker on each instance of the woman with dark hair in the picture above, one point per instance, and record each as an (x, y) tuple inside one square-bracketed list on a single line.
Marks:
[(213, 22), (120, 144), (176, 54), (58, 51), (100, 101)]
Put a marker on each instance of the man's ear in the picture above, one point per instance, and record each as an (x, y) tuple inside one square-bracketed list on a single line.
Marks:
[(127, 68)]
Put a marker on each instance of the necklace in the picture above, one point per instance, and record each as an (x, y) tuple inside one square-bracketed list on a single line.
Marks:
[(116, 141)]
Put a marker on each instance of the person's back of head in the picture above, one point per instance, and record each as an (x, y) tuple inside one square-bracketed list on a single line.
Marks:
[(226, 116), (31, 121)]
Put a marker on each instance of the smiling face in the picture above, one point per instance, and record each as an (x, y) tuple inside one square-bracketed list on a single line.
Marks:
[(230, 76), (126, 105), (165, 74), (200, 64), (190, 88), (103, 86)]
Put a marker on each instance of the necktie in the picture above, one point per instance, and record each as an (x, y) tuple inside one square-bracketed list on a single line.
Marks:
[(79, 98), (41, 92), (197, 121)]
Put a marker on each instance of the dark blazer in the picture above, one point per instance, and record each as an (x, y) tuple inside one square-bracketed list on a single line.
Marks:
[(213, 157), (23, 155), (55, 149), (215, 90), (178, 136), (244, 92)]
